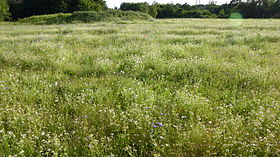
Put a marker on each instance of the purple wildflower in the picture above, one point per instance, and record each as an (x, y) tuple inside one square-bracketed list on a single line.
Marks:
[(183, 117), (160, 124)]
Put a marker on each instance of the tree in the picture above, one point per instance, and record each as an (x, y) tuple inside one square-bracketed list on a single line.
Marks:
[(27, 8), (142, 7), (39, 7), (4, 10), (85, 5), (275, 9), (199, 14), (212, 7), (167, 11), (153, 10), (221, 13)]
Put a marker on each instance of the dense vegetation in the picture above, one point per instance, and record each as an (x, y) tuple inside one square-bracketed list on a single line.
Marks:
[(149, 88), (249, 9), (4, 10), (40, 7), (87, 17)]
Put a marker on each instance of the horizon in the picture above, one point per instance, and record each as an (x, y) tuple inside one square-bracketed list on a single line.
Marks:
[(114, 3)]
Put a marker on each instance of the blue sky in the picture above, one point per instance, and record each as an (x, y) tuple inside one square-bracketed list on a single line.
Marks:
[(116, 3)]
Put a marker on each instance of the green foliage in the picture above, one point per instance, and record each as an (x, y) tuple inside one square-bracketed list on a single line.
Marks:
[(48, 19), (86, 17), (222, 14), (198, 14), (36, 7), (259, 9), (167, 11), (85, 5), (173, 87), (275, 9), (250, 9), (108, 16), (170, 10), (153, 10), (142, 7), (41, 7), (4, 10)]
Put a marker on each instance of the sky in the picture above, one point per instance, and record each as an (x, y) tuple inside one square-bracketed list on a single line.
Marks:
[(116, 3)]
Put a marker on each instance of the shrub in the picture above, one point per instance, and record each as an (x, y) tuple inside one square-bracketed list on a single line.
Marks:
[(48, 19), (86, 17), (198, 14), (29, 8), (111, 15), (4, 10)]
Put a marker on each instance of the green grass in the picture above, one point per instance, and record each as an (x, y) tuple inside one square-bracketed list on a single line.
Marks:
[(59, 18), (187, 87)]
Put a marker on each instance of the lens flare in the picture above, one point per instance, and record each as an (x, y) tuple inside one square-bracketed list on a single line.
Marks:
[(236, 19)]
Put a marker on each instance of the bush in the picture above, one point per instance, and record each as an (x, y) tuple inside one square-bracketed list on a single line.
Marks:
[(29, 8), (111, 15), (4, 10), (198, 14), (48, 19), (86, 17)]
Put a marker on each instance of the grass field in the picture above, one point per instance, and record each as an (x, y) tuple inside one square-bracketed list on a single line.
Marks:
[(189, 87)]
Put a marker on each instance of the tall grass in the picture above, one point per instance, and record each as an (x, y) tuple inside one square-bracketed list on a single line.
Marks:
[(143, 88)]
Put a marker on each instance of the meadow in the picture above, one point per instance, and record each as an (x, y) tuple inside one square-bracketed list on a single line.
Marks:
[(173, 87)]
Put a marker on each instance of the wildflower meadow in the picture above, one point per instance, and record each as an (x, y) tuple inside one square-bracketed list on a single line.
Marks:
[(169, 87)]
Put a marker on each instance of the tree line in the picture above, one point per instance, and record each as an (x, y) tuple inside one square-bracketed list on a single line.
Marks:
[(15, 9), (248, 9)]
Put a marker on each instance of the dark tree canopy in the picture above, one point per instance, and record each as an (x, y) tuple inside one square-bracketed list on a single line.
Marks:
[(142, 7), (25, 8), (249, 9)]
